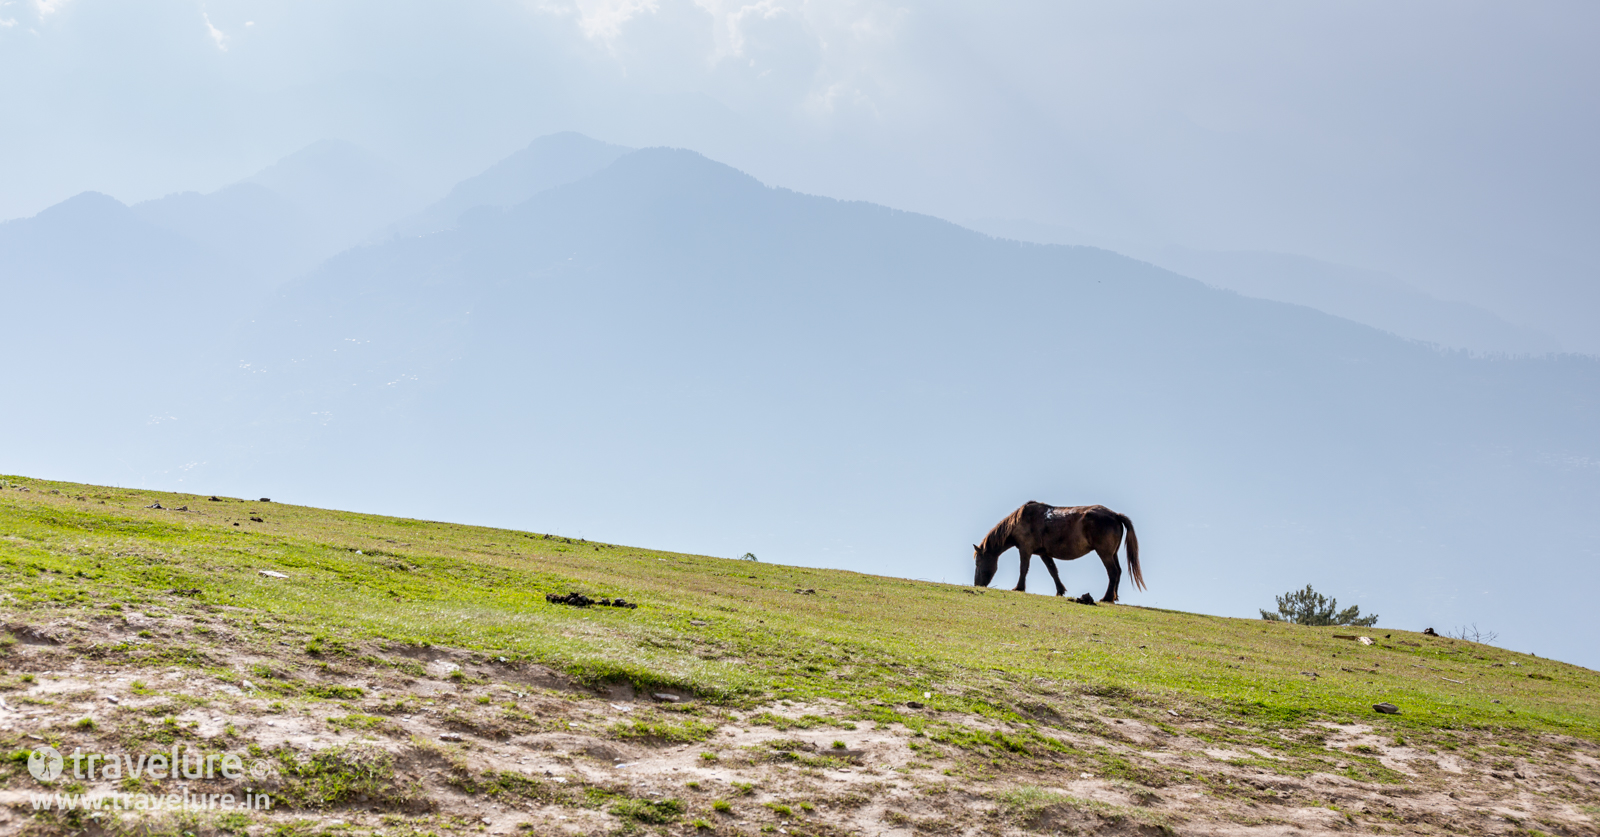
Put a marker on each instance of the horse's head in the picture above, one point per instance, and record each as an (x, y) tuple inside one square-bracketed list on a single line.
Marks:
[(984, 566)]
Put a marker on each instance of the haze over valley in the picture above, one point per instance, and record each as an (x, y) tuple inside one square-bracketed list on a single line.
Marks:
[(649, 346)]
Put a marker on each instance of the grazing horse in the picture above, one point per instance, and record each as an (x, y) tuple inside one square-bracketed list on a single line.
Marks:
[(1065, 532)]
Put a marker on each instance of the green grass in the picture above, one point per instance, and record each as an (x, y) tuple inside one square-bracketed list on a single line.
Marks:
[(868, 642), (664, 732), (339, 775)]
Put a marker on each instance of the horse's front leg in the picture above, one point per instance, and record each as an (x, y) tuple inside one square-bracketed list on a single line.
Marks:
[(1022, 577), (1050, 564)]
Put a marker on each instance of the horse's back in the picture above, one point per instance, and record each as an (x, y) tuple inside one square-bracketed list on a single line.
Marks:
[(1076, 529)]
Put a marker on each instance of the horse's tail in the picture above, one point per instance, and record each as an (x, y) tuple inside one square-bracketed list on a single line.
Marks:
[(1133, 551)]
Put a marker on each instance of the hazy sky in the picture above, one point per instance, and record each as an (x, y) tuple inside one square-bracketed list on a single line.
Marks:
[(1449, 143)]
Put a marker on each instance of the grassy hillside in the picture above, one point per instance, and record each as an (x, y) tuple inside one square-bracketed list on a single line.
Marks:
[(1002, 686)]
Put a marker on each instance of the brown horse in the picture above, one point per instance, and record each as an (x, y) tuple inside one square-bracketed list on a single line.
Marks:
[(1065, 532)]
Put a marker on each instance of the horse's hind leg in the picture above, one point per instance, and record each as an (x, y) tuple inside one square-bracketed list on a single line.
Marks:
[(1113, 572), (1050, 564), (1022, 576)]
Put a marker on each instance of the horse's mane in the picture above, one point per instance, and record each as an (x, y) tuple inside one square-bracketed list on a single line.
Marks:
[(999, 538)]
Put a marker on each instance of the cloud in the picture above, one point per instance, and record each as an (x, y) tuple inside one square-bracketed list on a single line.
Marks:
[(44, 8), (217, 35), (601, 20)]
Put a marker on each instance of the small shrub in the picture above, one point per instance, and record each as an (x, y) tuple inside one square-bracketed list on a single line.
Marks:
[(722, 806), (1308, 607), (84, 724)]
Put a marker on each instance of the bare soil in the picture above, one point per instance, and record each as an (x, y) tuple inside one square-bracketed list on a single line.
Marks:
[(446, 741)]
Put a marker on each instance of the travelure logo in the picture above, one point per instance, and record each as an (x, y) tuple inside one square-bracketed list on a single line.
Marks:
[(45, 763)]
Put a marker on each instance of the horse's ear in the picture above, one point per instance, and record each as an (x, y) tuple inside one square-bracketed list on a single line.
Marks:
[(976, 548)]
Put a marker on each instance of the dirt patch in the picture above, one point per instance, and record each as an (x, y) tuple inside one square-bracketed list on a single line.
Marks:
[(394, 738)]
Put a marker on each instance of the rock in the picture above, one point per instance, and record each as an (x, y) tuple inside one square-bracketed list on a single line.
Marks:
[(669, 698), (214, 499), (265, 500), (449, 736), (179, 591), (914, 704), (156, 505), (576, 599), (1364, 640), (1086, 598), (271, 573), (1386, 708), (1428, 632), (698, 623), (257, 519)]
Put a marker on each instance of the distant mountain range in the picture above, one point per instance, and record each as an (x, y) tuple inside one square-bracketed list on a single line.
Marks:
[(649, 346), (1364, 296)]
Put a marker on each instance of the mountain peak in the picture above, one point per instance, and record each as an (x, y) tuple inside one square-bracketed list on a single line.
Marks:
[(85, 206), (549, 161)]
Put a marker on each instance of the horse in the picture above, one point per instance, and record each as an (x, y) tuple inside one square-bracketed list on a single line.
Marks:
[(1065, 532)]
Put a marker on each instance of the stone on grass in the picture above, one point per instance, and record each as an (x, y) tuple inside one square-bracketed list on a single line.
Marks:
[(1386, 708)]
